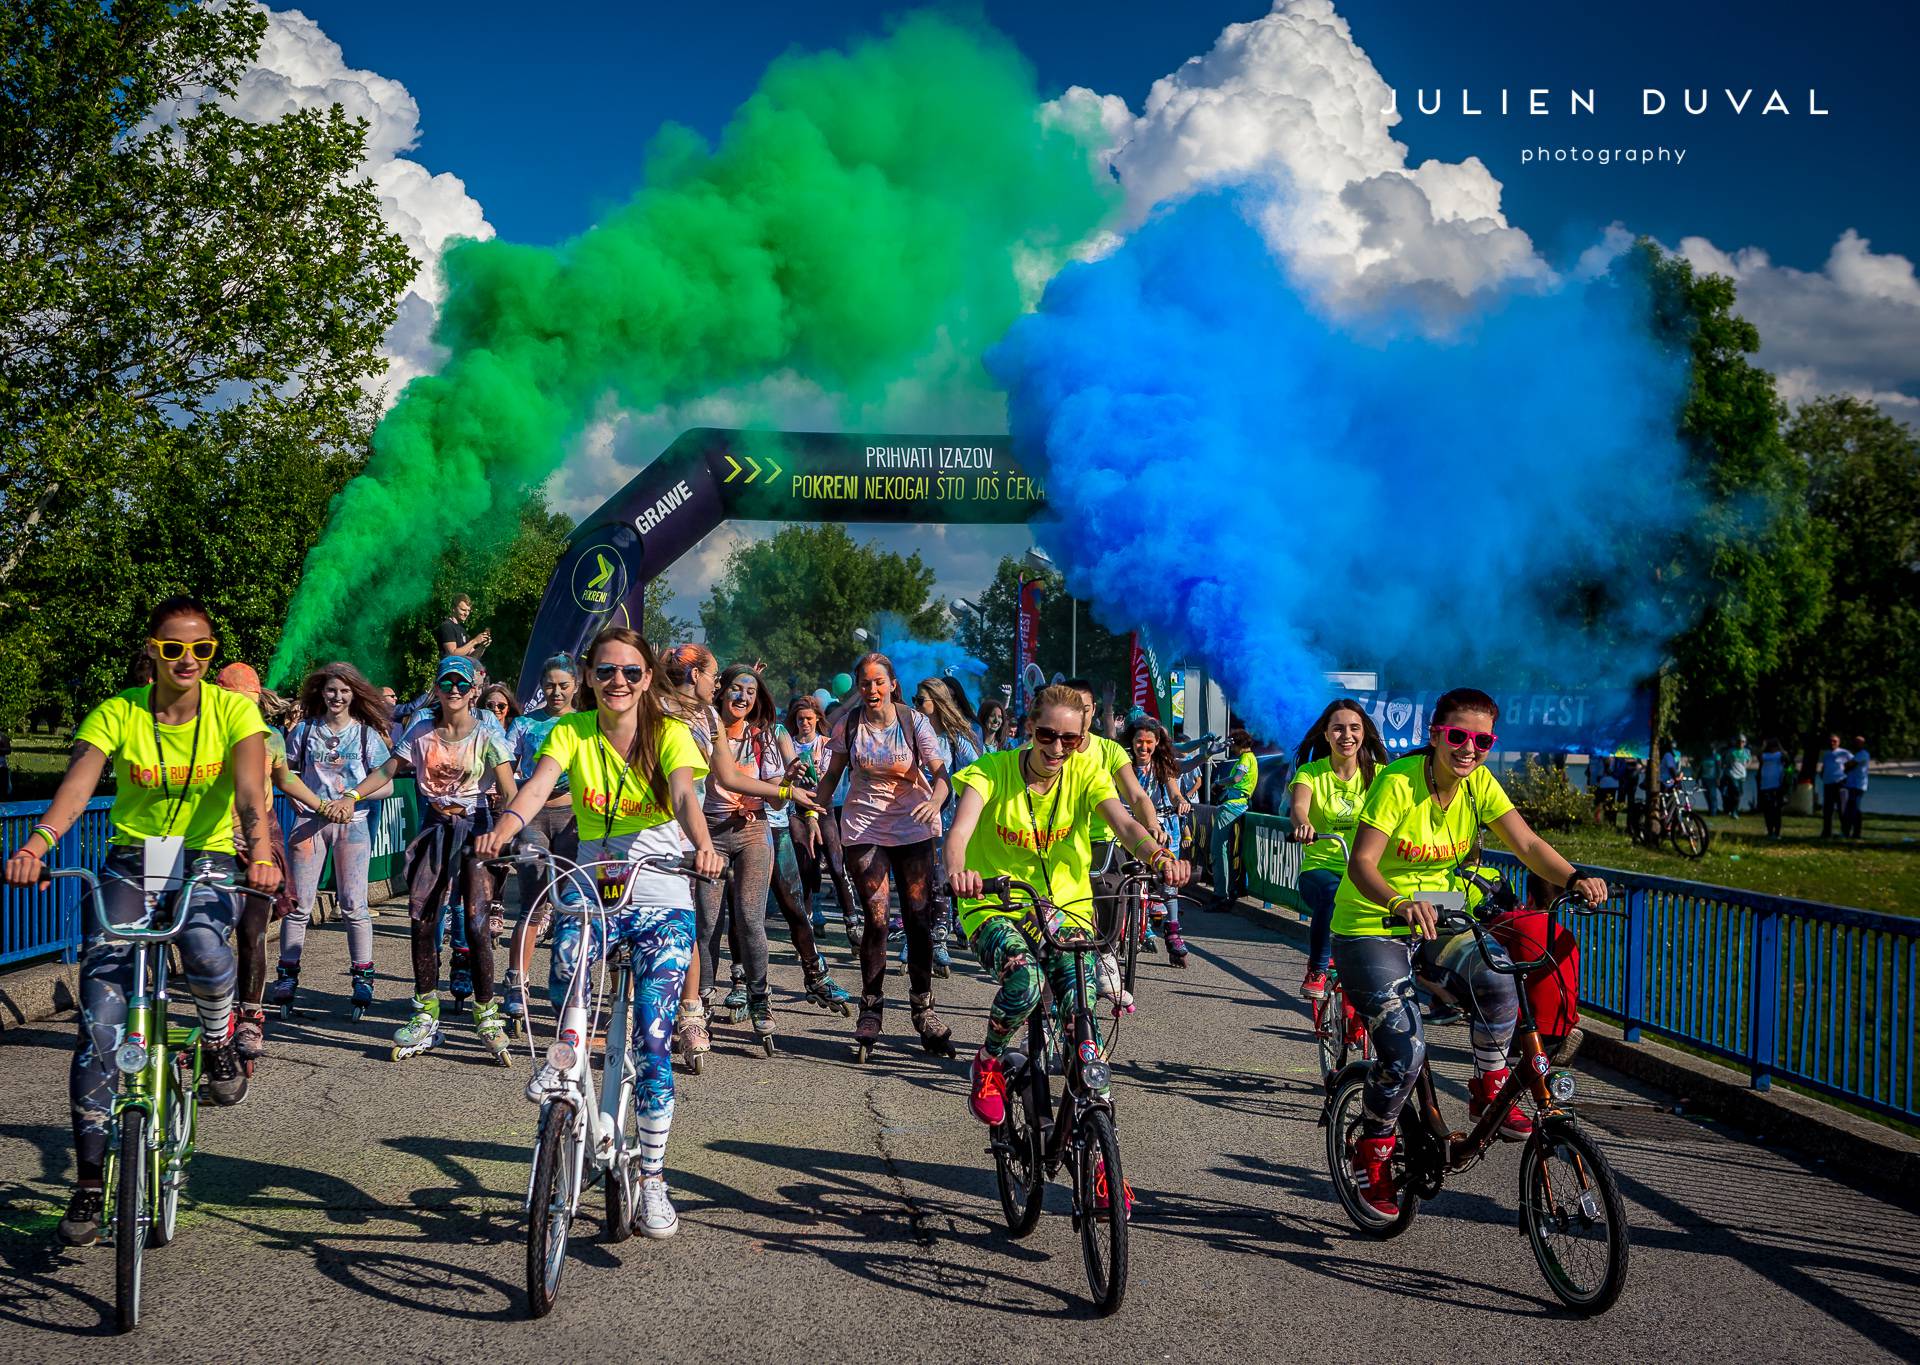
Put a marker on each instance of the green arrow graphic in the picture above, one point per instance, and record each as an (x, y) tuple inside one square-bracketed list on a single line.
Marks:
[(736, 471), (606, 572), (773, 469), (756, 468)]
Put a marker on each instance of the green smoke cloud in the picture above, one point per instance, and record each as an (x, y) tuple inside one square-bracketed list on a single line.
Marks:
[(861, 211)]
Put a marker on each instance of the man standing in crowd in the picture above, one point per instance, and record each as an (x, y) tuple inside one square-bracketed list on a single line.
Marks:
[(1833, 778), (1733, 776), (453, 636), (1851, 816)]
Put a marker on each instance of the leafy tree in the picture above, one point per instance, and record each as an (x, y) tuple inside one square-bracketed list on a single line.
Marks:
[(794, 600), (1751, 576), (190, 315), (1104, 656), (661, 627), (1853, 670)]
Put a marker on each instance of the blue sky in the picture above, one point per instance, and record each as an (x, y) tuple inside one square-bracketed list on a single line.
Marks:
[(544, 112)]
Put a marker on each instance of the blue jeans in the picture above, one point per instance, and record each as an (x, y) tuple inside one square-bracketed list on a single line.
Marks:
[(1223, 820), (352, 846), (1317, 887)]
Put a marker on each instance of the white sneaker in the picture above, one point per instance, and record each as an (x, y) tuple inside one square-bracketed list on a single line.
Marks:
[(657, 1218), (548, 1081)]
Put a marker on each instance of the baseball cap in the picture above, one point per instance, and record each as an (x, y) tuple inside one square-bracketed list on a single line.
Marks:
[(456, 666)]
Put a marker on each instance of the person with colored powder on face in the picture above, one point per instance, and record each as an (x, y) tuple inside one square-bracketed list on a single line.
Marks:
[(185, 757), (458, 760), (1419, 826)]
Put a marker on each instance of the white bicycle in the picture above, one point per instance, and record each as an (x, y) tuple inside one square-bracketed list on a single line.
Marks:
[(588, 1134)]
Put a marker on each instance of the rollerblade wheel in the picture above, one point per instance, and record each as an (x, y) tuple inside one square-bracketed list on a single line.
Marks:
[(693, 1064), (286, 1010), (767, 1043), (358, 1012)]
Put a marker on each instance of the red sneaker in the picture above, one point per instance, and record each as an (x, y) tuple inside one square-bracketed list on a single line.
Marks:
[(989, 1098), (1100, 1187), (1314, 987), (1371, 1160), (1515, 1126)]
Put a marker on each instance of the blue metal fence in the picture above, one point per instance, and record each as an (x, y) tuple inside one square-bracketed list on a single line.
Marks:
[(1820, 995), (38, 924)]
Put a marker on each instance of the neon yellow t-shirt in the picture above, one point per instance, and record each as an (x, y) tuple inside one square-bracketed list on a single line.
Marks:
[(597, 772), (1334, 809), (1109, 755), (193, 796), (1246, 772), (1424, 843), (1042, 838)]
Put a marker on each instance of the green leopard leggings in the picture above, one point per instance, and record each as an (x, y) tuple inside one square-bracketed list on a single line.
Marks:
[(1008, 952)]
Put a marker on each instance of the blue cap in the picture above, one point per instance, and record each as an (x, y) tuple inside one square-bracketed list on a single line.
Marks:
[(456, 666)]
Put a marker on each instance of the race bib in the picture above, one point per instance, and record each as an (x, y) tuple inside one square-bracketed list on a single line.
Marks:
[(164, 863)]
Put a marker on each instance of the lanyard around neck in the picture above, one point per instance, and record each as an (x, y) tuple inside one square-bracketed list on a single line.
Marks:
[(159, 750), (1040, 845)]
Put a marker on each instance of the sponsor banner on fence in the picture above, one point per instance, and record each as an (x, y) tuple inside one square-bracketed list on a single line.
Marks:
[(1272, 862)]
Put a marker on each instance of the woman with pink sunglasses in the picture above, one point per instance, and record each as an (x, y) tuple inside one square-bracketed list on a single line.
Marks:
[(1419, 827)]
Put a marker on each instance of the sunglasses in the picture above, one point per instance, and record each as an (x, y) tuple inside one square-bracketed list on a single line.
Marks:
[(498, 704), (172, 651), (453, 684), (1456, 737), (1042, 735), (632, 672)]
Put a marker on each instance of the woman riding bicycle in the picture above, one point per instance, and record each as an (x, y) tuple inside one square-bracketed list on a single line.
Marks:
[(458, 760), (630, 769), (1334, 766), (1038, 804), (898, 783), (1418, 827), (185, 756), (1156, 767), (552, 827), (339, 741)]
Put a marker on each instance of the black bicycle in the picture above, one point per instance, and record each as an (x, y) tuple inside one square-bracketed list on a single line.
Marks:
[(1035, 1140)]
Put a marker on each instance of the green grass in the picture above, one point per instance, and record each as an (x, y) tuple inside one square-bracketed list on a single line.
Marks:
[(1879, 872)]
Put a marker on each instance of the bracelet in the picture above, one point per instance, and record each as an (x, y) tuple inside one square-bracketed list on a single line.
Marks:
[(352, 794), (516, 815), (48, 833), (1395, 902), (263, 862), (786, 792)]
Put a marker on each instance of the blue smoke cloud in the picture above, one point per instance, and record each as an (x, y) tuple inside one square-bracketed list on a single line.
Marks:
[(916, 660), (1277, 493)]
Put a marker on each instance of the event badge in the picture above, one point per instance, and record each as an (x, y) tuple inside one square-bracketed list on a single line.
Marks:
[(165, 862), (613, 885)]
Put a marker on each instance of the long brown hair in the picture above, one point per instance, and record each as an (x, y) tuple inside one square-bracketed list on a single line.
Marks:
[(650, 710), (764, 713), (368, 706), (1373, 750), (948, 720), (1166, 764)]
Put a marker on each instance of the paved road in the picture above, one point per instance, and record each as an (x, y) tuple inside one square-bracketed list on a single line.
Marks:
[(357, 1207)]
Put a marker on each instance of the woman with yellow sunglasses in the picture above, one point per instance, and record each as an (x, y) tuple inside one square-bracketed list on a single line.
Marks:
[(184, 756)]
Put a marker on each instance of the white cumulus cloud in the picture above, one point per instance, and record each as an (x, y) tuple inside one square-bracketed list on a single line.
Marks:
[(1292, 98), (1851, 327), (300, 67)]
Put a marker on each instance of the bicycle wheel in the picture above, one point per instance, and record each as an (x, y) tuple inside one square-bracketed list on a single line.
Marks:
[(1690, 835), (1343, 1129), (1570, 1208), (550, 1210), (1103, 1232), (1017, 1160), (179, 1127), (1330, 1035), (130, 1219)]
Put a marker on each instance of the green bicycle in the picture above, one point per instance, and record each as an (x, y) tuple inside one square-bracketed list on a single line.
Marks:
[(156, 1114)]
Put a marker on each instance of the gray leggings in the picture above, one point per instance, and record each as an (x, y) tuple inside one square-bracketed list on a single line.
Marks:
[(749, 855), (352, 845)]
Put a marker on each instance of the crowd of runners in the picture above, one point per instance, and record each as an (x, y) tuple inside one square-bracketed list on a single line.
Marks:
[(884, 806)]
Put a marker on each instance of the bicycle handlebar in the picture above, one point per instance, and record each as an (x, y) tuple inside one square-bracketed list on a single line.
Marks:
[(1346, 853), (1457, 921), (201, 876), (1003, 888)]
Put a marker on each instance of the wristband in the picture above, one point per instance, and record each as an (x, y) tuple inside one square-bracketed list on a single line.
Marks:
[(516, 815), (263, 862), (786, 792), (47, 833), (1394, 904), (353, 794)]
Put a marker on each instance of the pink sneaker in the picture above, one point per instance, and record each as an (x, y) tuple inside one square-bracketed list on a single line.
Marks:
[(1314, 987), (989, 1098)]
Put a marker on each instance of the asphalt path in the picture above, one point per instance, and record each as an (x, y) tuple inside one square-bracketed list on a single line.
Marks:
[(354, 1207)]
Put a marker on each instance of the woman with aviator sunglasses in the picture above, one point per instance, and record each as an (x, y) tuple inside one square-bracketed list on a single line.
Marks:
[(458, 759), (185, 756), (1418, 826)]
